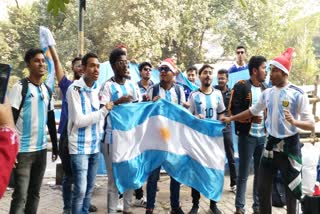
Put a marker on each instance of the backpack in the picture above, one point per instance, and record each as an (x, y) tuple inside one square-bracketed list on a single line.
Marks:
[(156, 88), (24, 91)]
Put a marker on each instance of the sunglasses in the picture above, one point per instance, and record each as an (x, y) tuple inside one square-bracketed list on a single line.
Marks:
[(147, 69), (240, 52), (165, 69)]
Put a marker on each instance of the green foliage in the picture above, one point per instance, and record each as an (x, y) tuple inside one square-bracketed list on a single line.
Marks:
[(156, 29)]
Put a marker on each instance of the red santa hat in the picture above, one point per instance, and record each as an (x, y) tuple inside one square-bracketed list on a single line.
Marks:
[(283, 62), (170, 63)]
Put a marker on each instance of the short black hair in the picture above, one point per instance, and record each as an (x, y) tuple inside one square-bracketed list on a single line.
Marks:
[(141, 66), (241, 47), (204, 67), (85, 58), (224, 71), (255, 62), (192, 68), (115, 54), (32, 52), (75, 59)]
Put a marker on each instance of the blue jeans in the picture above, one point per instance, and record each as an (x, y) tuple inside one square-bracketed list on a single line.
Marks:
[(152, 190), (248, 147), (84, 170)]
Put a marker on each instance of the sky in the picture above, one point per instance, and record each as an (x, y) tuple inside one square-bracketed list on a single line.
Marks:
[(5, 3)]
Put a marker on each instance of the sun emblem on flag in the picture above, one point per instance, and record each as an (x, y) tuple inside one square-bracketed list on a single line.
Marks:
[(165, 134), (285, 103)]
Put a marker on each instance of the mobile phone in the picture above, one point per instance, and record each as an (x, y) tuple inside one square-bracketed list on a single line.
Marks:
[(5, 71)]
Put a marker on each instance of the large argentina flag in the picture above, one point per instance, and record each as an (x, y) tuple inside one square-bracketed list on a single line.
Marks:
[(148, 135)]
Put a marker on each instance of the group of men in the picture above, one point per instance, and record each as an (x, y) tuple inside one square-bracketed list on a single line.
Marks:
[(266, 124)]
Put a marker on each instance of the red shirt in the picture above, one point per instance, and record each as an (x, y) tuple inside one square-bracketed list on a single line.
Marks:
[(9, 145)]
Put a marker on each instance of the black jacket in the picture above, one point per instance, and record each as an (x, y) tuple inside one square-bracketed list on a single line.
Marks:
[(241, 100)]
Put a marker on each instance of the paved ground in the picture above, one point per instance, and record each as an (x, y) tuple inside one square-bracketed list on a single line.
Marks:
[(51, 198)]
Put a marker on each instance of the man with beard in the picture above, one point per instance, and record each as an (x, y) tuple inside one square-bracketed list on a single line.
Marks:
[(227, 134), (287, 110), (251, 133), (174, 93), (64, 84), (205, 103), (118, 90)]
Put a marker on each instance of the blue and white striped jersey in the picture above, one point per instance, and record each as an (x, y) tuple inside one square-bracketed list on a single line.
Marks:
[(32, 121), (112, 91), (276, 100), (257, 129), (169, 95), (85, 118), (208, 105)]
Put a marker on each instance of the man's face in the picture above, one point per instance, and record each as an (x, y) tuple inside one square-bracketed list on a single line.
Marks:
[(91, 70), (262, 73), (145, 73), (191, 74), (277, 76), (206, 77), (37, 65), (222, 80), (241, 54), (166, 75), (77, 69), (120, 68)]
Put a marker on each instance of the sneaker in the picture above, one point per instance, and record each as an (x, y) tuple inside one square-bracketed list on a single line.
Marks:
[(142, 202), (215, 210), (239, 211), (120, 205), (93, 208), (149, 211), (177, 211), (194, 210), (233, 189)]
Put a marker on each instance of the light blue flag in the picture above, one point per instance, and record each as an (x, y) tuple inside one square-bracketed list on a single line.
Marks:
[(106, 73), (183, 80), (47, 39), (148, 135)]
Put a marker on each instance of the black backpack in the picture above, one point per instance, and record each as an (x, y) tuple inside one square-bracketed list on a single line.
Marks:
[(24, 91)]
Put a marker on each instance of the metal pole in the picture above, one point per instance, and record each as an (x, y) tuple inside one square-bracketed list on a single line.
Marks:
[(80, 30)]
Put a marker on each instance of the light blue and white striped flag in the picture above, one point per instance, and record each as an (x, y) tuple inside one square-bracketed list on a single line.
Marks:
[(148, 135)]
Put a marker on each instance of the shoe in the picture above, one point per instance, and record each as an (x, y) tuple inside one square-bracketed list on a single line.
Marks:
[(233, 189), (194, 210), (142, 202), (215, 210), (149, 211), (239, 211), (177, 211), (120, 205), (93, 208), (124, 212)]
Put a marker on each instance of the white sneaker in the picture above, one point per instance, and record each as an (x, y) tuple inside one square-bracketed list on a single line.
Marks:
[(233, 189), (142, 202), (120, 205)]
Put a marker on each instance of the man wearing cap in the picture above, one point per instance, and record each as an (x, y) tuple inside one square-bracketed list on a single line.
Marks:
[(172, 92), (287, 110), (251, 133)]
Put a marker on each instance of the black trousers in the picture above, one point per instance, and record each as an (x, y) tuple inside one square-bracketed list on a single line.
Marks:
[(228, 145)]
